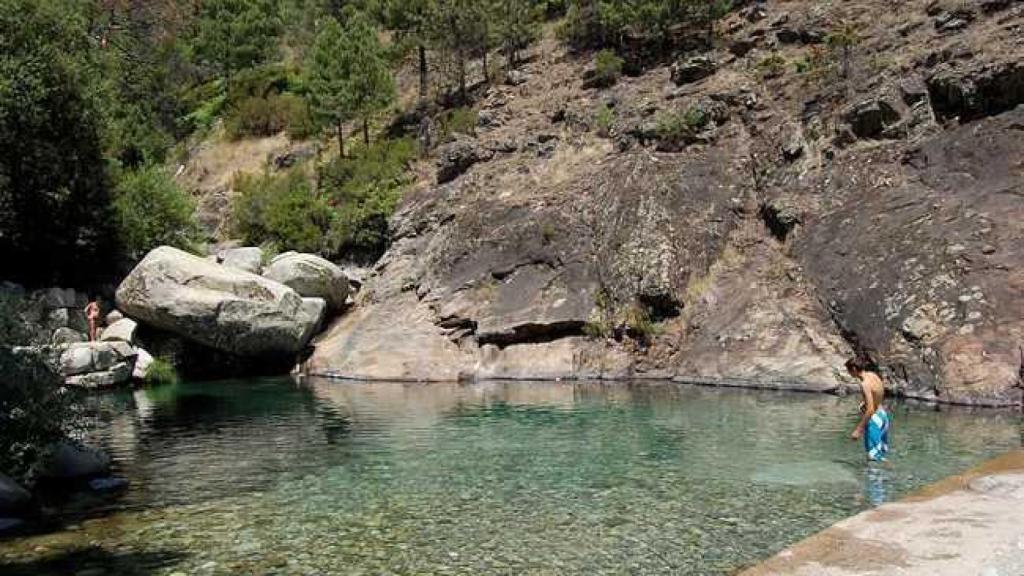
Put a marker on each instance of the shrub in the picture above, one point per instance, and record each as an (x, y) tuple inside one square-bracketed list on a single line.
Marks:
[(153, 211), (772, 66), (36, 410), (206, 102), (364, 189), (603, 119), (607, 68), (675, 128), (161, 372), (281, 210), (462, 120), (266, 116)]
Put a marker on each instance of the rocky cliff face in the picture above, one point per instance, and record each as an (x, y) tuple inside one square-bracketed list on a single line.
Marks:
[(750, 223)]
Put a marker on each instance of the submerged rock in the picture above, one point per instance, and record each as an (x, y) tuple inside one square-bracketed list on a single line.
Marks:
[(69, 461), (311, 276), (13, 498), (217, 306)]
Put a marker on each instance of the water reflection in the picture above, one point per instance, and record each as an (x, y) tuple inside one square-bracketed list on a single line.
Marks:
[(271, 476)]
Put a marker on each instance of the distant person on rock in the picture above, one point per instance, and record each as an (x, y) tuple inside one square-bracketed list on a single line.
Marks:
[(874, 422), (92, 312)]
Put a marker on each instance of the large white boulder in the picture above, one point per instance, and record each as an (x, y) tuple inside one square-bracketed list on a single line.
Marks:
[(248, 258), (217, 306), (310, 276)]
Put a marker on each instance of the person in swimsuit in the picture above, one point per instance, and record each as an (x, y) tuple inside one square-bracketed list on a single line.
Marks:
[(874, 422), (92, 312)]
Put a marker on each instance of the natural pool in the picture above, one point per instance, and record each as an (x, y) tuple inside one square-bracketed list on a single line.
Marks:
[(274, 477)]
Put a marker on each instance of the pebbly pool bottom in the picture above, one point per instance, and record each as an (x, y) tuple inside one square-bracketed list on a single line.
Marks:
[(274, 477)]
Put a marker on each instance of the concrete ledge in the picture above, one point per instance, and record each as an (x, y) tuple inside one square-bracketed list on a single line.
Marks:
[(971, 523)]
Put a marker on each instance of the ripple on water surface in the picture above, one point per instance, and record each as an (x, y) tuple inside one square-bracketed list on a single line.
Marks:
[(270, 477)]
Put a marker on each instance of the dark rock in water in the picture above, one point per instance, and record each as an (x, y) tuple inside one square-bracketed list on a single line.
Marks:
[(10, 524), (108, 484), (692, 69), (68, 461), (457, 157), (870, 118), (983, 91), (13, 498)]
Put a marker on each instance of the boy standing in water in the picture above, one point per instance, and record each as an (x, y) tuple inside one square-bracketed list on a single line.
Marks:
[(874, 420)]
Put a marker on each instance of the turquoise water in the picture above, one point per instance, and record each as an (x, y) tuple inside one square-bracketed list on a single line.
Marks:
[(274, 477)]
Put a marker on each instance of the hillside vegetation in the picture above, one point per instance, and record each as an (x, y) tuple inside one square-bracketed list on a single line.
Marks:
[(707, 190)]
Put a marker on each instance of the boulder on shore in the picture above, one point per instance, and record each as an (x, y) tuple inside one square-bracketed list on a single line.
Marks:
[(217, 306), (142, 364), (68, 460), (123, 330), (311, 276), (96, 364), (248, 258)]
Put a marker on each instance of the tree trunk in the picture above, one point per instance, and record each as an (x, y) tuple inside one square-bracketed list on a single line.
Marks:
[(423, 72), (366, 131), (462, 75), (487, 74), (341, 140)]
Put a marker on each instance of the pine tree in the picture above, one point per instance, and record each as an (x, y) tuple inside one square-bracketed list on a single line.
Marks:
[(349, 76), (237, 34), (329, 73), (371, 84), (412, 20)]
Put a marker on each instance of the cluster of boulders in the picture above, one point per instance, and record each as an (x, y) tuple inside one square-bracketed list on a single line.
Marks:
[(228, 303), (229, 306)]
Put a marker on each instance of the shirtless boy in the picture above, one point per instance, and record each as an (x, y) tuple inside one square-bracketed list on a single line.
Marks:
[(874, 421)]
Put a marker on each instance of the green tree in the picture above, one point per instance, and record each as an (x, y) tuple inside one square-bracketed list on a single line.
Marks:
[(349, 76), (53, 187), (236, 34), (371, 82), (153, 211), (412, 20), (329, 78)]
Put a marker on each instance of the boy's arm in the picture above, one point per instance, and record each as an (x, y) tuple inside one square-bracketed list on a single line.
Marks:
[(869, 409)]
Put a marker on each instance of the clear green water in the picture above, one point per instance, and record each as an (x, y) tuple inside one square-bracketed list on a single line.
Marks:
[(271, 477)]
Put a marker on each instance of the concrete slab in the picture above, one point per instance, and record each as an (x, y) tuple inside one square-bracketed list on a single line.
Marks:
[(969, 524)]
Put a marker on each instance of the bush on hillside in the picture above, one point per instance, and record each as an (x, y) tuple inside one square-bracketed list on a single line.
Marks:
[(153, 211), (461, 120), (607, 69), (677, 128), (266, 116), (282, 211), (364, 189)]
